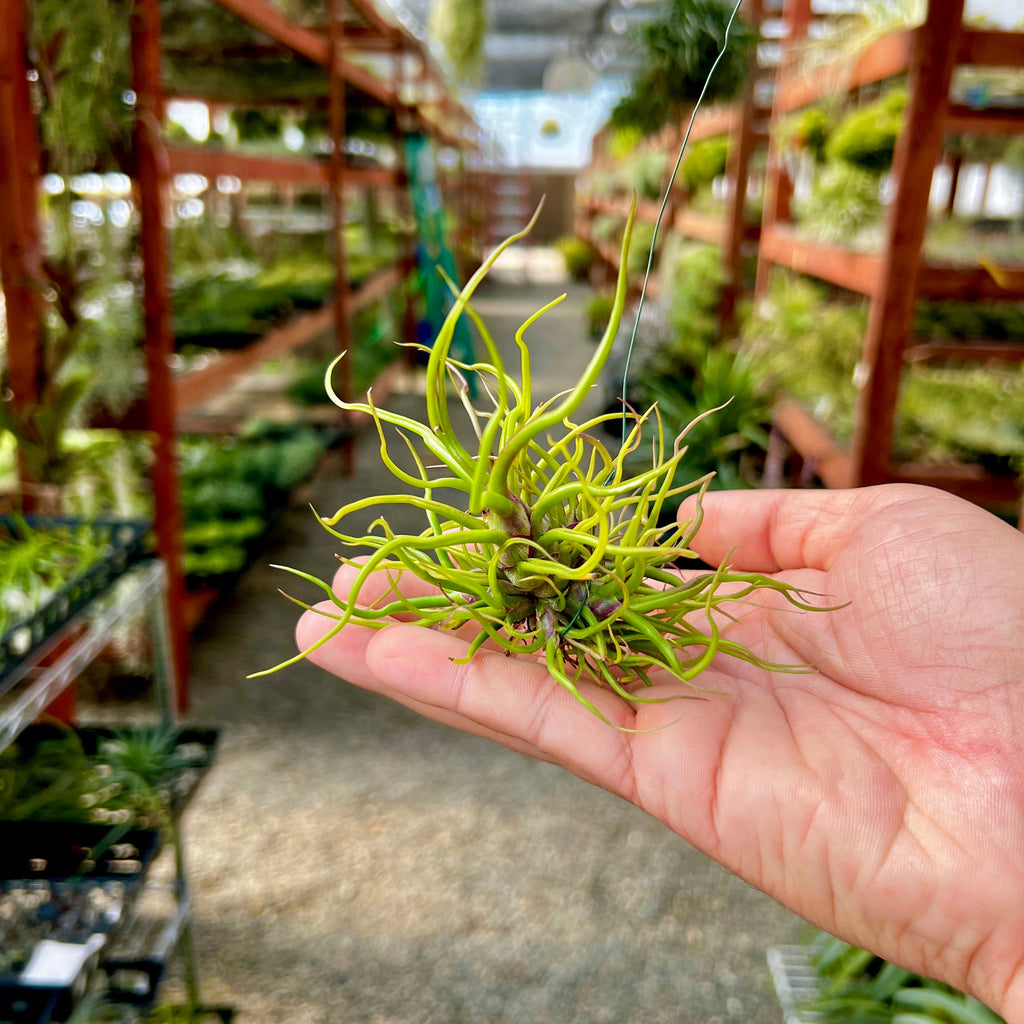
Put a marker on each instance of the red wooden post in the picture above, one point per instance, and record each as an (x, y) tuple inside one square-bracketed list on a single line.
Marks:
[(152, 173), (918, 149), (345, 380), (20, 249), (778, 188), (955, 167), (399, 48), (737, 175)]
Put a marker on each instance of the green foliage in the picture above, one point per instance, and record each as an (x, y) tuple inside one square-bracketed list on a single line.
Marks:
[(80, 56), (706, 161), (37, 561), (597, 311), (374, 348), (806, 130), (605, 227), (640, 248), (127, 781), (866, 138), (57, 781), (844, 200), (691, 278), (857, 986), (974, 413), (647, 172), (232, 487), (578, 256), (622, 141), (675, 53), (90, 354), (80, 52), (693, 371), (228, 308), (732, 440), (995, 321), (808, 346), (256, 125)]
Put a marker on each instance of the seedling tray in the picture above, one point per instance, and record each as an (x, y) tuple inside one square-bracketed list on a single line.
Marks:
[(54, 932), (24, 639), (198, 743)]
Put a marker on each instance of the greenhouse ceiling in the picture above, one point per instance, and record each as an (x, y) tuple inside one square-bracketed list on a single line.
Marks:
[(558, 46)]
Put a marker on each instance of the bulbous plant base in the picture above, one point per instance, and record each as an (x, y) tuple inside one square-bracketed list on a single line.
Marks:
[(557, 552)]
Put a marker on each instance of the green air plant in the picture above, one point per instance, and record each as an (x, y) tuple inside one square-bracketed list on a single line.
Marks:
[(557, 552)]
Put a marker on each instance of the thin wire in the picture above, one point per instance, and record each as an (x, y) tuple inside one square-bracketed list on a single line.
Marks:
[(664, 204)]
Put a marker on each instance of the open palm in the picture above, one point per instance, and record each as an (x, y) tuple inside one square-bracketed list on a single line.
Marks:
[(880, 795)]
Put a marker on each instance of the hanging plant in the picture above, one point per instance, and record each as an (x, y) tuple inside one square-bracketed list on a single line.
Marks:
[(80, 54), (675, 52), (458, 27)]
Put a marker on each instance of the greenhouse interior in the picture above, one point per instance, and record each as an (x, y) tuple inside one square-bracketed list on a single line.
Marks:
[(303, 299)]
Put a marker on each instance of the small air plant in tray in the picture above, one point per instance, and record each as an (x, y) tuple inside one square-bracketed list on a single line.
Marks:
[(555, 551)]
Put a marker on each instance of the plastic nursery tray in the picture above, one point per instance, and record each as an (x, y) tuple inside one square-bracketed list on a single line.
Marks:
[(52, 930), (795, 982), (197, 743), (56, 927), (20, 1005), (63, 851), (126, 546)]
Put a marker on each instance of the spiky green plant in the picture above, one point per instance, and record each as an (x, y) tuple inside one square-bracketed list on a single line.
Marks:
[(557, 552)]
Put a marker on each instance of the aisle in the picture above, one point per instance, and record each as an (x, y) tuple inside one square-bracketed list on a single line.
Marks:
[(355, 864)]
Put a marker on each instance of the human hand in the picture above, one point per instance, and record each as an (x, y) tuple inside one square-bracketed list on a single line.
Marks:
[(880, 796)]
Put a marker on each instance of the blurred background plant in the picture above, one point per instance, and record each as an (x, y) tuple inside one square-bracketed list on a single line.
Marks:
[(578, 256)]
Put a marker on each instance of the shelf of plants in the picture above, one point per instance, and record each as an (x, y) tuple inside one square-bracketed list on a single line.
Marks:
[(82, 811), (228, 299), (937, 301)]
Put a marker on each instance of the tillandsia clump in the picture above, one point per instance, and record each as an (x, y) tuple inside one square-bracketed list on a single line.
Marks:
[(557, 552)]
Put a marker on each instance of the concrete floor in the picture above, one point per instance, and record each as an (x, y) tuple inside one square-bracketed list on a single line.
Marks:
[(355, 864)]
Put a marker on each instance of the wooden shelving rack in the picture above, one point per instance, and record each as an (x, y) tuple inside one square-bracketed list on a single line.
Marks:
[(893, 278), (417, 102)]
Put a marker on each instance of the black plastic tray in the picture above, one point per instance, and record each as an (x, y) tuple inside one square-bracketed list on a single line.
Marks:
[(181, 785), (127, 545), (21, 1005), (60, 851)]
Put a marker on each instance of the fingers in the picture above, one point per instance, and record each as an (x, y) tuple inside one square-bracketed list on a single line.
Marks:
[(765, 531), (509, 699)]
